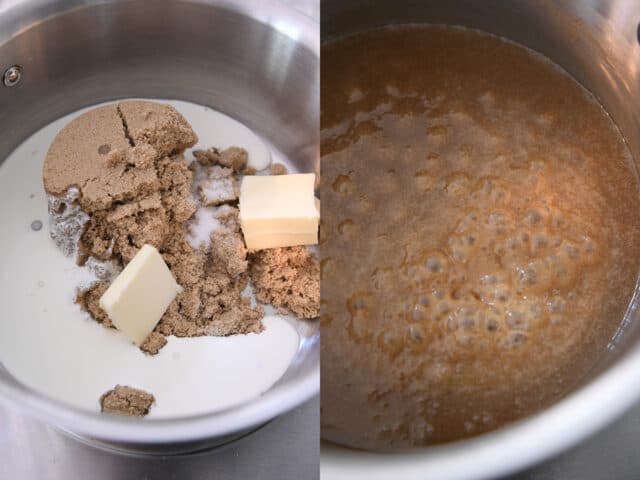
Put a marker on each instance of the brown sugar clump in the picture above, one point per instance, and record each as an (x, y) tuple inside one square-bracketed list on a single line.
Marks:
[(228, 216), (229, 252), (89, 301), (143, 156), (220, 186), (156, 124), (123, 400), (278, 169), (79, 152), (95, 152), (208, 157), (287, 278), (235, 158), (175, 185), (213, 281), (154, 342), (121, 232)]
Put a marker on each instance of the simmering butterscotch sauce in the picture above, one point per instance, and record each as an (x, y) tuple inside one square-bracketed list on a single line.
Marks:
[(479, 235)]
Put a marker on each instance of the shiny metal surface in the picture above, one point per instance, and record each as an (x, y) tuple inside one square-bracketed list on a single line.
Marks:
[(256, 61), (611, 454), (284, 449), (596, 41)]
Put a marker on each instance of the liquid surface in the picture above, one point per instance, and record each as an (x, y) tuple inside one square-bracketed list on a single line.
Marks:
[(478, 235), (49, 344)]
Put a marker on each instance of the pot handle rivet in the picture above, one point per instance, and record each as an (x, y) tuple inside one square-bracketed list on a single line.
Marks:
[(12, 76)]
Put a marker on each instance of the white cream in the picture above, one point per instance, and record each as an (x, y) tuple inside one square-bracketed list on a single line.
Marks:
[(50, 345)]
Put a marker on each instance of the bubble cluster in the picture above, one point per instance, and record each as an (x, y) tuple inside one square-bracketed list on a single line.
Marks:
[(500, 276), (492, 189)]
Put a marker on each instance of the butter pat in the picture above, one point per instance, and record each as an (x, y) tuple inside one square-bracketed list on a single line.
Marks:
[(278, 211), (139, 296)]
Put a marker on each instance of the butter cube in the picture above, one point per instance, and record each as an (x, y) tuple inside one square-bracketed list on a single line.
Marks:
[(139, 296), (278, 211)]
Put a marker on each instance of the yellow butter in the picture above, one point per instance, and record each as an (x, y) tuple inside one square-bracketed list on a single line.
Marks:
[(279, 211), (139, 296)]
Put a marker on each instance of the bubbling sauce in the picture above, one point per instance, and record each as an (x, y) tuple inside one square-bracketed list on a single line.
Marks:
[(478, 235)]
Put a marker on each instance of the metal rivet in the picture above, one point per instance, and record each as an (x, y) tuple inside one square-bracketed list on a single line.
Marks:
[(12, 76)]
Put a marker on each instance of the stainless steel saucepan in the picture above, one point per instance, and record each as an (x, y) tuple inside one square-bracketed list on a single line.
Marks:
[(257, 61), (597, 42)]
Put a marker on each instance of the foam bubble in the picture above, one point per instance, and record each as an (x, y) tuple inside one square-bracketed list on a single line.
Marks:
[(516, 339), (346, 228), (390, 342), (343, 185), (419, 313), (516, 320), (415, 337)]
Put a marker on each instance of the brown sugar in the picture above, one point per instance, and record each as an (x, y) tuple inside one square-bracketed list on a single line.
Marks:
[(156, 124), (136, 186), (79, 152), (212, 301), (229, 251), (89, 300), (154, 342), (278, 169), (123, 400), (287, 278), (233, 157), (220, 186)]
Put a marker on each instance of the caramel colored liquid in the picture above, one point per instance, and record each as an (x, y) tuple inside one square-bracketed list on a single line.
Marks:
[(479, 235)]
